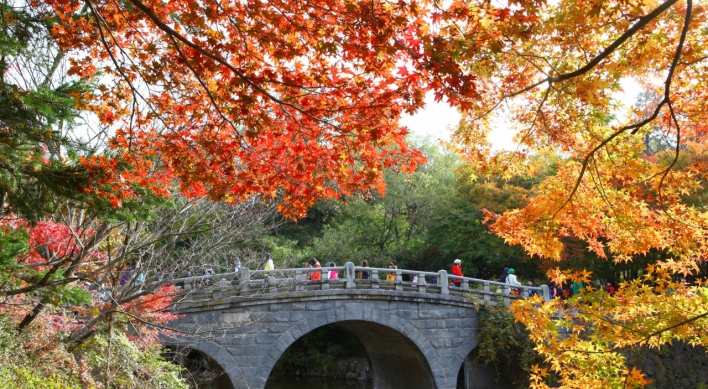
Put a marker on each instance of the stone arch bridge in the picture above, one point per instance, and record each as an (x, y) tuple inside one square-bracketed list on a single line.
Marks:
[(415, 334)]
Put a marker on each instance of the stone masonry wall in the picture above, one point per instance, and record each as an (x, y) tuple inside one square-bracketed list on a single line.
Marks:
[(678, 366), (412, 339)]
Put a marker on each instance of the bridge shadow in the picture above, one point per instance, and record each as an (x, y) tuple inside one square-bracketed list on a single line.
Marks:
[(395, 361), (200, 370)]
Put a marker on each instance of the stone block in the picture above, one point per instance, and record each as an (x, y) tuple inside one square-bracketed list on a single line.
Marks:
[(465, 333), (296, 316), (353, 311), (433, 333), (258, 382), (330, 316), (381, 317), (295, 332), (264, 338), (312, 321), (436, 314), (426, 324), (277, 327), (445, 353), (288, 337), (315, 306), (247, 361), (253, 351), (278, 316), (407, 314), (438, 343), (304, 327)]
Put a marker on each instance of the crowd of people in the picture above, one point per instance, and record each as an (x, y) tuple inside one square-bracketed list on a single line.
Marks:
[(508, 277)]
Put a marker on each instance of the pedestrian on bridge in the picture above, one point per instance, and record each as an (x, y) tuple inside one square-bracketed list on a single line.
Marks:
[(333, 274), (511, 280), (502, 277), (391, 276), (315, 275), (457, 270), (364, 275), (267, 264), (237, 270)]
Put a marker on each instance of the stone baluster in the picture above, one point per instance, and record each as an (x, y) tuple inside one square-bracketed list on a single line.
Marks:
[(374, 279), (271, 282), (487, 297), (421, 283), (244, 283), (399, 280), (325, 279), (442, 279), (465, 286), (546, 293), (351, 276), (299, 280)]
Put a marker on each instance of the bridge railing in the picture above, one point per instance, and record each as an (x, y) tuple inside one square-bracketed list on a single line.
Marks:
[(254, 282)]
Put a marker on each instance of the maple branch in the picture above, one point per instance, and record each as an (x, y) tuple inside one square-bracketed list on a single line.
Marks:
[(119, 69), (695, 61), (643, 21), (678, 149), (585, 165), (671, 327), (169, 31), (538, 112), (204, 86), (635, 127)]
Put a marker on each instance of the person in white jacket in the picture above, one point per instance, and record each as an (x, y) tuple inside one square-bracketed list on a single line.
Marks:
[(512, 281)]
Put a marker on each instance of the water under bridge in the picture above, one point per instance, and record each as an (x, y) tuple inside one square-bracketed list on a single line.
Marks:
[(416, 334)]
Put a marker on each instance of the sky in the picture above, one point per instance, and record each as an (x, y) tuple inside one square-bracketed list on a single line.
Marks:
[(438, 119)]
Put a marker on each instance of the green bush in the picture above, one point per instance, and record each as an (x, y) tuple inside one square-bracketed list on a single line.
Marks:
[(505, 344)]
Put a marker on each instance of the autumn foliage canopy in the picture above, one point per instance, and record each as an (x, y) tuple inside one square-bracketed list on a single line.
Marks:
[(298, 101)]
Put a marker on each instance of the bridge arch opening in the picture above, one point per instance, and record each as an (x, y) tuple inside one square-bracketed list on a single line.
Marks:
[(200, 370), (394, 360)]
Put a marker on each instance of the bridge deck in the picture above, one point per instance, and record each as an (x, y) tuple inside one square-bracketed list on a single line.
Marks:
[(249, 286)]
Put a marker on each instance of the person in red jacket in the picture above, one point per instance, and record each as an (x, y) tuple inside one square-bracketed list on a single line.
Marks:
[(316, 275), (457, 270)]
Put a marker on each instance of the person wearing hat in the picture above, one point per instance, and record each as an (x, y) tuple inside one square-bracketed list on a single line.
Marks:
[(511, 280), (502, 277), (457, 270)]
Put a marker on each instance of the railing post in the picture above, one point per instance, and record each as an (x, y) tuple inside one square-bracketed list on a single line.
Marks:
[(271, 282), (374, 279), (299, 280), (487, 297), (244, 283), (399, 279), (351, 277), (506, 291), (546, 293), (444, 287), (421, 283), (324, 276)]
